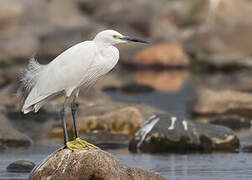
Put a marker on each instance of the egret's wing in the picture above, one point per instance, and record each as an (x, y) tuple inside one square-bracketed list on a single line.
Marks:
[(63, 73)]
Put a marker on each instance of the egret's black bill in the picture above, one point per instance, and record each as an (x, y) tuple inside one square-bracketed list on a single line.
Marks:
[(134, 40)]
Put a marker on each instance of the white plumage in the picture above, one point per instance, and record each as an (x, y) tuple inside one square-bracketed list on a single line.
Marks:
[(82, 64)]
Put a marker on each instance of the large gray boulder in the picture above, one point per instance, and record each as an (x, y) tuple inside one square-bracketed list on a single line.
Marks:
[(87, 164), (164, 133)]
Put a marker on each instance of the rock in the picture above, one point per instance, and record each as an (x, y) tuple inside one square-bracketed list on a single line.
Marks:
[(122, 118), (127, 52), (87, 164), (136, 14), (3, 120), (221, 48), (164, 133), (9, 100), (167, 81), (212, 102), (107, 140), (161, 24), (239, 81), (10, 11), (112, 79), (2, 147), (40, 25), (247, 149), (229, 12), (135, 88), (162, 55), (21, 166), (13, 138), (233, 122), (55, 42)]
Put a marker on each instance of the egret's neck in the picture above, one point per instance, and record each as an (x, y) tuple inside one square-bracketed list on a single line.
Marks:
[(102, 44)]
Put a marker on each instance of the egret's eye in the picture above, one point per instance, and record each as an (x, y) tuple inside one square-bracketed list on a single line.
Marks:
[(116, 36)]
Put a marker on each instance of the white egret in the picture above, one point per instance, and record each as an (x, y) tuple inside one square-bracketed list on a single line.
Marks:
[(81, 65)]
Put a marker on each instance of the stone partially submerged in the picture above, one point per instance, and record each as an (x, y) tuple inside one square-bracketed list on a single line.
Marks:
[(164, 133), (88, 164), (10, 137)]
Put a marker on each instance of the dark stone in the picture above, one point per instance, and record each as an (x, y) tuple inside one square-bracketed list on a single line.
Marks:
[(2, 147), (159, 135), (234, 122), (88, 164), (107, 140), (247, 149), (110, 89), (21, 166), (135, 88), (13, 138)]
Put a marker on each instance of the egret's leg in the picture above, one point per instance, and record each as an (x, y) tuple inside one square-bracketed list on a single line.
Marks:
[(73, 110), (77, 143), (63, 120)]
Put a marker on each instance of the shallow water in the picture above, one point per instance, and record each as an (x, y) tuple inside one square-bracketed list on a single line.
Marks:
[(173, 166), (225, 166)]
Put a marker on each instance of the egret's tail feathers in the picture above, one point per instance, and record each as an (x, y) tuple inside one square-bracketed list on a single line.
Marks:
[(28, 80), (34, 108), (27, 110)]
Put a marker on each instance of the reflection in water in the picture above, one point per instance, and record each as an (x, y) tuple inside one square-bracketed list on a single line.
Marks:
[(166, 81)]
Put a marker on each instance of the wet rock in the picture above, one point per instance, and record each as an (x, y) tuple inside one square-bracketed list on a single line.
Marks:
[(162, 55), (233, 122), (167, 81), (212, 102), (13, 138), (247, 149), (21, 166), (164, 133), (87, 164)]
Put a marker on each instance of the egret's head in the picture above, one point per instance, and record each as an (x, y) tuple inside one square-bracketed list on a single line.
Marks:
[(113, 37)]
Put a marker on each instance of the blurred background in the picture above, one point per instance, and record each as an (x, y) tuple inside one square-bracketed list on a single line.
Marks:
[(197, 67)]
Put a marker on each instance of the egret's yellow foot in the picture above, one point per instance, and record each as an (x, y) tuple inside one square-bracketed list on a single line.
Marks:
[(85, 143), (79, 144)]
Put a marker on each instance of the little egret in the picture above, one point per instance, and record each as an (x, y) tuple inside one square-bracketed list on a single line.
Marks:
[(81, 65)]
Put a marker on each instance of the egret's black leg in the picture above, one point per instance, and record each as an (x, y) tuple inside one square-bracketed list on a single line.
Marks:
[(73, 109), (63, 120)]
